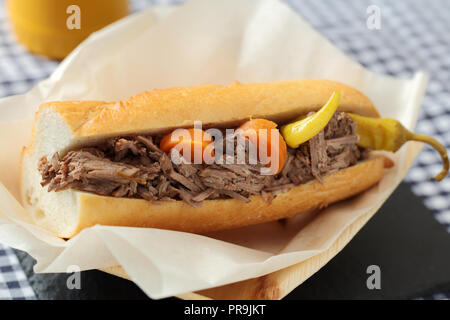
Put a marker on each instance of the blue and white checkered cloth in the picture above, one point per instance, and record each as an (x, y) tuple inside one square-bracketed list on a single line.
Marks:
[(13, 282), (414, 35)]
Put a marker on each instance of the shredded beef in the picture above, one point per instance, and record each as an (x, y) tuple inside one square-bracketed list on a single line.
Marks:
[(135, 167)]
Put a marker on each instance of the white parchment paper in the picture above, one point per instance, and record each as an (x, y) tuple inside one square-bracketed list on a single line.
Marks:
[(203, 41)]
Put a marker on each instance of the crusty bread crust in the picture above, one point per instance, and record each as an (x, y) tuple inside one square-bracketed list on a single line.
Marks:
[(227, 213), (163, 109)]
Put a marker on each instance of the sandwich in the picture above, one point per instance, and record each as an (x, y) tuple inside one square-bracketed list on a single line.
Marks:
[(200, 158)]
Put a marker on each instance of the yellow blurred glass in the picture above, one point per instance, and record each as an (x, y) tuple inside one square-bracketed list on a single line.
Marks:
[(55, 27)]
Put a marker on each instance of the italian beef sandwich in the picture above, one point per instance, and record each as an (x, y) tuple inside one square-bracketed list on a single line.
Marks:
[(205, 158)]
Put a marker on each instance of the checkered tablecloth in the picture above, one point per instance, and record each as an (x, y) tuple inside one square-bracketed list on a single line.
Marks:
[(13, 282), (414, 35)]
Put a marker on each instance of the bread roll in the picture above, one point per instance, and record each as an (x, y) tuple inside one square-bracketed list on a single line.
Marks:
[(64, 125)]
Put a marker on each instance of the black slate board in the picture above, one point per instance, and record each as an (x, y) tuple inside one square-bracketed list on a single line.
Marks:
[(403, 239)]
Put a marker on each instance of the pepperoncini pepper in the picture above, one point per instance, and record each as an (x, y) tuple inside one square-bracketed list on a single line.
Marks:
[(304, 129), (389, 134), (374, 133)]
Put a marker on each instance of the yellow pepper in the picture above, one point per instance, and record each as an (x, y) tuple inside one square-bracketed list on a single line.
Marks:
[(304, 129), (389, 134), (374, 133)]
